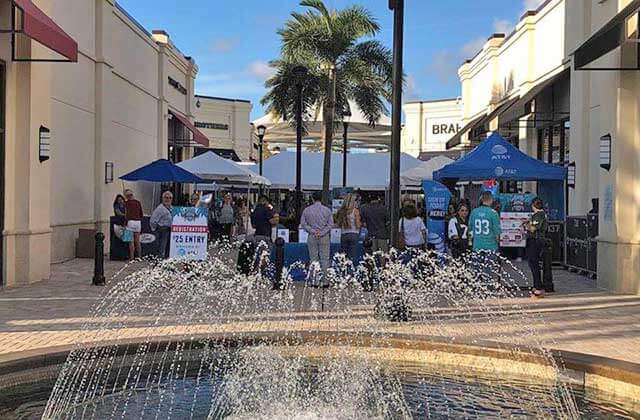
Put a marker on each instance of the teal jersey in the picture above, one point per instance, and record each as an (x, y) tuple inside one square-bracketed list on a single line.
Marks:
[(484, 224)]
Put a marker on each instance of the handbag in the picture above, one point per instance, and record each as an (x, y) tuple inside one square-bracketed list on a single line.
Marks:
[(402, 243), (127, 235)]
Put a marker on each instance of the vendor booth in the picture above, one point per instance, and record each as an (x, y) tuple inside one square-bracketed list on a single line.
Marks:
[(365, 171), (160, 171), (414, 177), (223, 171), (497, 159)]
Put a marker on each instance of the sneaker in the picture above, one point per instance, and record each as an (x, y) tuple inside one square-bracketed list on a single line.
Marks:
[(536, 294)]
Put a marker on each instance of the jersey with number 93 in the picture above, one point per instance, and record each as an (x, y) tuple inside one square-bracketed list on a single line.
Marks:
[(484, 224)]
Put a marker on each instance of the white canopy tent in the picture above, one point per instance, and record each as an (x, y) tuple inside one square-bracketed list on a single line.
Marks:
[(424, 171), (361, 134), (366, 171), (224, 171)]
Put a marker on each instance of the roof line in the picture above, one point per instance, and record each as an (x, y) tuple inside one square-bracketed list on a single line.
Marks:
[(223, 99)]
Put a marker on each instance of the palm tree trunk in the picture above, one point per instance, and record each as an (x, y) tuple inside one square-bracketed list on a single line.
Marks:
[(328, 115)]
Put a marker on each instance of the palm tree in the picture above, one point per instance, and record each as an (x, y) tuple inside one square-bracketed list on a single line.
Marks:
[(344, 64)]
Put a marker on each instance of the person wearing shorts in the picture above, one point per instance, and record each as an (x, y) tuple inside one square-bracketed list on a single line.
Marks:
[(133, 218)]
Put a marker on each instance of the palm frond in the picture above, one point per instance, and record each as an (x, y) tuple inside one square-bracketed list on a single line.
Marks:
[(357, 21)]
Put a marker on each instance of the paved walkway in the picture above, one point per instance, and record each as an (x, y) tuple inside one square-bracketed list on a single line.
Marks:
[(578, 318)]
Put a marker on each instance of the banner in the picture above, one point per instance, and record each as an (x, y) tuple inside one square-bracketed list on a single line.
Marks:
[(437, 198), (552, 194), (189, 233), (515, 203), (514, 234)]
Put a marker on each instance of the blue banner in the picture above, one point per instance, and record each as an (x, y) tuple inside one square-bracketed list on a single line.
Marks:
[(515, 203), (552, 194), (437, 198)]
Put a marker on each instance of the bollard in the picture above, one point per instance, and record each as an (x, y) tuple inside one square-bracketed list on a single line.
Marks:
[(98, 267), (278, 284)]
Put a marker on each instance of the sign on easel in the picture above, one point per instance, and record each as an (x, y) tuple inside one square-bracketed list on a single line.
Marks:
[(189, 233)]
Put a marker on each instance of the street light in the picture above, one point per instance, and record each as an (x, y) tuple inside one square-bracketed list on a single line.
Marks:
[(346, 117), (261, 130), (299, 72), (396, 118)]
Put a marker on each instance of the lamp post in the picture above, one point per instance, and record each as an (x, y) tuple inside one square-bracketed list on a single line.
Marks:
[(346, 116), (299, 73), (260, 131), (398, 22)]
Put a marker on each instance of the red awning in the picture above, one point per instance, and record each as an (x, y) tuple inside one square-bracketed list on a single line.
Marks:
[(197, 134), (40, 27)]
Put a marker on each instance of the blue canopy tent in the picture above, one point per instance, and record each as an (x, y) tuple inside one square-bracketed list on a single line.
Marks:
[(496, 158), (162, 170)]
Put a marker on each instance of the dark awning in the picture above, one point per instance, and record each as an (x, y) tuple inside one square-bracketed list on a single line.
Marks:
[(456, 140), (198, 137), (479, 126), (41, 28), (522, 106), (608, 38)]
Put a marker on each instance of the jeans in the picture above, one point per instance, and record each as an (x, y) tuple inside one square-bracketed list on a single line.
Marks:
[(535, 249), (320, 250), (349, 245), (164, 236)]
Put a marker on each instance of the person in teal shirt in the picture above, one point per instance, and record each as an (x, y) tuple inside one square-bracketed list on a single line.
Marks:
[(484, 224)]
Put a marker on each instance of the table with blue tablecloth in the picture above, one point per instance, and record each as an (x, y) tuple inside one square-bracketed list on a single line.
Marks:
[(299, 252), (295, 252)]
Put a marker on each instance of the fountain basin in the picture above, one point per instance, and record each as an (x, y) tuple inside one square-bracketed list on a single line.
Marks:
[(27, 377)]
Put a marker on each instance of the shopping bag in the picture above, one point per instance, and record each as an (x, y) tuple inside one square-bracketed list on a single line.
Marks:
[(127, 235)]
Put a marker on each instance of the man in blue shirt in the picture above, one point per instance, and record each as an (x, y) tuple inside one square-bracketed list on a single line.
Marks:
[(484, 224)]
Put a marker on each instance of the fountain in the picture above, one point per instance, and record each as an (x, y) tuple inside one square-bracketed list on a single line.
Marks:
[(402, 335)]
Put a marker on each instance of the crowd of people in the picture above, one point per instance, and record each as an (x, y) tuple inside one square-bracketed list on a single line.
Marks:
[(467, 230)]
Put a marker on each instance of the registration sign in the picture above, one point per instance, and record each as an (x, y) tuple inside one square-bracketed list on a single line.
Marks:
[(189, 233)]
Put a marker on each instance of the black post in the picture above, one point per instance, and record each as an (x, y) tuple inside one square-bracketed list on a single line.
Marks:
[(396, 118), (278, 284), (344, 153), (98, 259), (300, 72), (261, 138)]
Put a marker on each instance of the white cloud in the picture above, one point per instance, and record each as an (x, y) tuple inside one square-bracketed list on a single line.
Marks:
[(472, 47), (261, 70), (411, 88), (444, 65), (224, 45), (502, 26)]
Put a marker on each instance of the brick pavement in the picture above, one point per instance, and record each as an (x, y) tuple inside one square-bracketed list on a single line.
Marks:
[(578, 318)]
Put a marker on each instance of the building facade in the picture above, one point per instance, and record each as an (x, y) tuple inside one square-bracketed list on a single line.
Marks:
[(226, 123), (602, 40), (126, 99), (430, 124), (564, 87)]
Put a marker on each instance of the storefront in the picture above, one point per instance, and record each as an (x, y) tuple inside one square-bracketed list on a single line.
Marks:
[(602, 44), (89, 93), (226, 122), (429, 124)]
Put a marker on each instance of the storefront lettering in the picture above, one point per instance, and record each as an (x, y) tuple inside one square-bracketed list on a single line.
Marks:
[(179, 87), (445, 128), (211, 126)]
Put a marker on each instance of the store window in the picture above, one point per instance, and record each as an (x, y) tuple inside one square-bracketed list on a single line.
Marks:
[(553, 143)]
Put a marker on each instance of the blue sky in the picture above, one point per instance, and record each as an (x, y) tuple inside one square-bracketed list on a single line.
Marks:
[(232, 41)]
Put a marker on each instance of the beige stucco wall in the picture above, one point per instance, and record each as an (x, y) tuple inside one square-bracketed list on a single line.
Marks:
[(607, 102), (232, 112), (418, 134), (111, 105), (510, 66)]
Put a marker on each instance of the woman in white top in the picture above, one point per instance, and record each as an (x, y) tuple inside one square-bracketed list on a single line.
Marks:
[(348, 219), (458, 232), (413, 228)]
